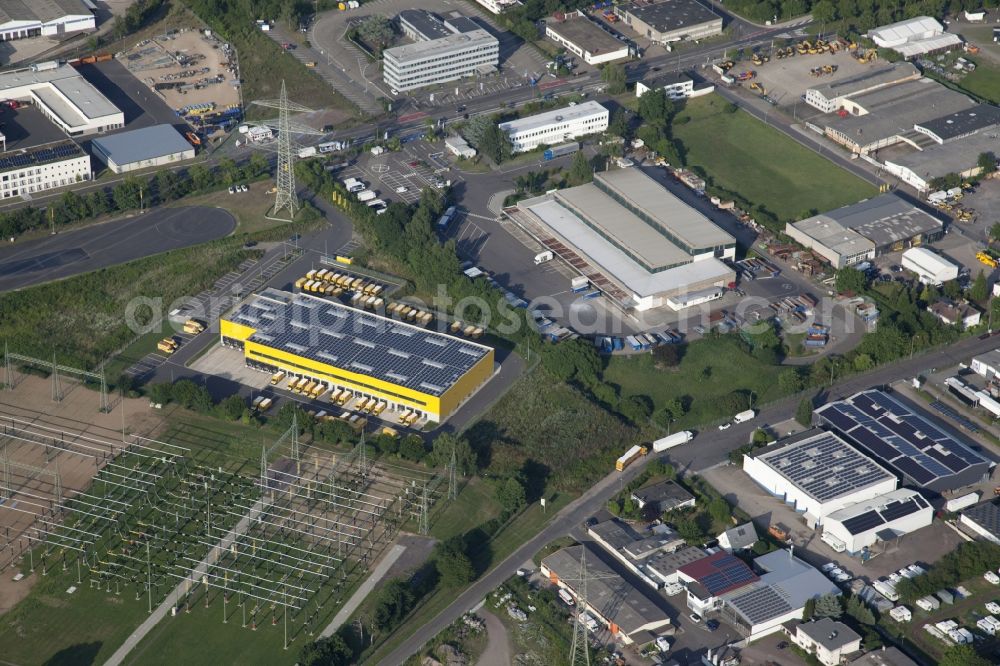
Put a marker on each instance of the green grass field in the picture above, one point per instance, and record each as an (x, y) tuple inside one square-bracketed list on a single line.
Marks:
[(730, 370), (741, 154), (984, 82)]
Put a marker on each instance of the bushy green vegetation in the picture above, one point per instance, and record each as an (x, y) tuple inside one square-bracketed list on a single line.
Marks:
[(967, 561), (83, 319), (777, 179)]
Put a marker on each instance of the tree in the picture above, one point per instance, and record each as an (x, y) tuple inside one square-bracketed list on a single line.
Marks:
[(987, 163), (376, 31), (441, 452), (200, 177), (412, 448), (618, 125), (573, 359), (828, 605), (160, 394), (97, 202), (166, 185), (332, 651), (667, 356), (980, 290), (809, 610), (392, 604), (804, 413), (126, 194), (636, 408), (453, 563), (850, 279), (189, 395), (511, 495), (824, 11), (790, 380), (962, 655), (720, 510), (857, 609), (495, 144), (613, 74), (580, 171), (233, 407), (230, 172), (257, 165)]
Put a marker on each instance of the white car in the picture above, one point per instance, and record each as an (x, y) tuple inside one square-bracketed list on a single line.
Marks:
[(726, 426), (895, 578), (244, 188), (695, 618), (662, 644), (232, 189), (402, 189), (829, 566), (842, 577)]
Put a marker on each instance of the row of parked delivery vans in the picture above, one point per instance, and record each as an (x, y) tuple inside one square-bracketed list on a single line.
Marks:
[(326, 281), (468, 330), (341, 397)]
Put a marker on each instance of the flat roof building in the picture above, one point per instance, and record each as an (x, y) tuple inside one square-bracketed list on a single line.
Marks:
[(63, 96), (984, 520), (870, 228), (708, 579), (557, 126), (633, 239), (887, 656), (670, 20), (887, 116), (20, 19), (440, 60), (664, 496), (628, 613), (368, 355), (143, 148), (27, 172), (987, 365), (883, 518), (675, 85), (817, 473), (784, 585), (664, 565), (927, 455), (829, 97), (585, 39), (915, 37), (828, 640), (422, 26)]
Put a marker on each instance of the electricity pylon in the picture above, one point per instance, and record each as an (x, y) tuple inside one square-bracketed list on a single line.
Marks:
[(285, 196), (579, 654)]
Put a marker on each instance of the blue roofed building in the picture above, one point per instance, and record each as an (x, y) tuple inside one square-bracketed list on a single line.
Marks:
[(142, 148)]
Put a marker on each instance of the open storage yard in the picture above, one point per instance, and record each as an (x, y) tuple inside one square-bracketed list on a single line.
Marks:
[(193, 73), (761, 164)]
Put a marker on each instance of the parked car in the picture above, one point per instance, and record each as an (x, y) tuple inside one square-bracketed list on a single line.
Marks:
[(712, 625), (695, 618), (726, 426)]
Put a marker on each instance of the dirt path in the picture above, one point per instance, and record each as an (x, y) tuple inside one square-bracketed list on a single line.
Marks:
[(497, 651)]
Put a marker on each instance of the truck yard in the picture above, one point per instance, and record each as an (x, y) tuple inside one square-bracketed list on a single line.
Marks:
[(194, 73)]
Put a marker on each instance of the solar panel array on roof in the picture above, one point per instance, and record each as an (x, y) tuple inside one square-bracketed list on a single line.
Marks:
[(891, 431), (39, 156), (376, 346), (824, 466), (760, 604), (720, 573), (883, 515)]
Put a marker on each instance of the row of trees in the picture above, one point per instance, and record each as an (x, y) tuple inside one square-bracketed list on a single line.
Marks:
[(163, 187)]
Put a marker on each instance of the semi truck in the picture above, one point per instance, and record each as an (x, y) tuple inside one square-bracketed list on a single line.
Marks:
[(676, 439), (367, 195), (558, 151), (744, 416), (630, 457)]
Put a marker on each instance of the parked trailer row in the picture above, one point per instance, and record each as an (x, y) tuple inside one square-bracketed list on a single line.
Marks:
[(404, 312), (630, 457), (468, 330)]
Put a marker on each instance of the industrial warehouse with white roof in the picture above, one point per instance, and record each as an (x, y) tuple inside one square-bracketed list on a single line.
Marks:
[(21, 19), (865, 230), (915, 37), (817, 473), (142, 148), (883, 518), (63, 96), (633, 239)]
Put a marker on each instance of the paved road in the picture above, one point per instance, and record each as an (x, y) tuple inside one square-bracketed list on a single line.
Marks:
[(706, 452), (93, 247)]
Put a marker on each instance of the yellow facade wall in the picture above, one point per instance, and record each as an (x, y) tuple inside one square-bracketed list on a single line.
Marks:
[(476, 376), (230, 329)]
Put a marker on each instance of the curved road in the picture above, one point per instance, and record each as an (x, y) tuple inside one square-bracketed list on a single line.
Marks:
[(99, 246), (712, 448)]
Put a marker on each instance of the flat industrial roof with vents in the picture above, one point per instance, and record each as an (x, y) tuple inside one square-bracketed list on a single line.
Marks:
[(77, 97), (891, 431), (823, 466), (334, 334)]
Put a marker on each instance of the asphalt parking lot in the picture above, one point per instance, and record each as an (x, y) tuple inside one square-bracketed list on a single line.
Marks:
[(82, 250), (788, 79), (141, 107), (418, 165)]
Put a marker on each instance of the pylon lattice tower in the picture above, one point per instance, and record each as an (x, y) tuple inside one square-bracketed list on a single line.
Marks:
[(579, 654), (285, 198)]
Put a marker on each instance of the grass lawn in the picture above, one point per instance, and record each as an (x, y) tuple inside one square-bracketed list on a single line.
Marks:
[(475, 505), (742, 155), (984, 81), (730, 369), (248, 208)]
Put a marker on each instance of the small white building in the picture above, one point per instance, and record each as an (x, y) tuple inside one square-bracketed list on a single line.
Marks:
[(955, 314), (830, 641), (987, 365), (158, 145), (21, 19), (557, 126), (884, 518), (984, 520), (28, 172), (817, 473), (675, 85), (930, 267), (975, 17), (459, 147), (499, 6), (740, 537)]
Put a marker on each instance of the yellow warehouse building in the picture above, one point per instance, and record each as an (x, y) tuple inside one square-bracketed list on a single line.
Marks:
[(367, 354)]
